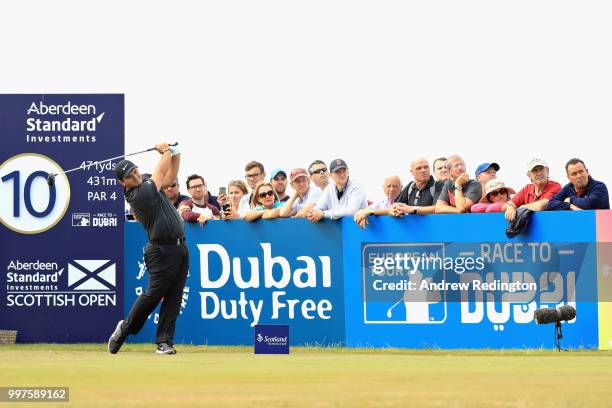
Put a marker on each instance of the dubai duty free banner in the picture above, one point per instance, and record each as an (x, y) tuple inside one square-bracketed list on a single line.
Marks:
[(244, 274), (61, 242)]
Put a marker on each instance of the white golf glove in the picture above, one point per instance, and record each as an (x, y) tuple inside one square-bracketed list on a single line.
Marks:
[(174, 150)]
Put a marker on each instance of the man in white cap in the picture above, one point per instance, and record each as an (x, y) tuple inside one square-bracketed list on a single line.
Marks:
[(305, 196), (534, 196)]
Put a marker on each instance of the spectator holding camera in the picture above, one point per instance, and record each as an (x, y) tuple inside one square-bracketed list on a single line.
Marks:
[(236, 189)]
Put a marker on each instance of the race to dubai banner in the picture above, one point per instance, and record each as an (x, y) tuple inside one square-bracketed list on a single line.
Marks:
[(61, 257)]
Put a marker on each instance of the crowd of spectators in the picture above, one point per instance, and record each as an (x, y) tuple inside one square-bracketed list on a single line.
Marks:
[(329, 192)]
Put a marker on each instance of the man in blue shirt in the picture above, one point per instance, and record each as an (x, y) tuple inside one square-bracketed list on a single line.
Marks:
[(582, 192)]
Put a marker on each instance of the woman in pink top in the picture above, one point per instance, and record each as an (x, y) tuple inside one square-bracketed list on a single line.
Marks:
[(496, 195)]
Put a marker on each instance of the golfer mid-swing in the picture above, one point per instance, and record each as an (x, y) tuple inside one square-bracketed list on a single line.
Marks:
[(166, 255)]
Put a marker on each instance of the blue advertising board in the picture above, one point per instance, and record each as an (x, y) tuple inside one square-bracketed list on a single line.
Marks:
[(61, 244), (456, 281), (245, 274), (238, 278)]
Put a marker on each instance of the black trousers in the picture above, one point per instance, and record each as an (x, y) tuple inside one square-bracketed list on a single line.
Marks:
[(168, 266)]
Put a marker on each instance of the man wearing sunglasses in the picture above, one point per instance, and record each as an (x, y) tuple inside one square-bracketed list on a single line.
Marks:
[(342, 198), (318, 174), (173, 193)]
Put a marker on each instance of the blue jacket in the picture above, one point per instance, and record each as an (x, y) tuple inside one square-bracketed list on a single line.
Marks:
[(595, 197)]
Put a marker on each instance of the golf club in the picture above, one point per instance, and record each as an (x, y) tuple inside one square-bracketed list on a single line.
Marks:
[(51, 177), (389, 313)]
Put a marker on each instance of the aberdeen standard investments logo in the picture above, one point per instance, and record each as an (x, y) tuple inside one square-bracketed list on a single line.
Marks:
[(82, 283), (62, 123)]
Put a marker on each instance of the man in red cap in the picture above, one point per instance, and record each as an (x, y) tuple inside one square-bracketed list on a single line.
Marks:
[(304, 197)]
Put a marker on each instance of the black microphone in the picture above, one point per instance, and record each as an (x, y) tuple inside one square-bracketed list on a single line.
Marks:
[(552, 315)]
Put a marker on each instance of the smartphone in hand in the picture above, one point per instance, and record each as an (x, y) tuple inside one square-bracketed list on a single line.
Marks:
[(222, 191)]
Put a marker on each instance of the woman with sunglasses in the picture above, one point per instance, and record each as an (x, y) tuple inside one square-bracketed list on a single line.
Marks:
[(496, 195), (264, 202)]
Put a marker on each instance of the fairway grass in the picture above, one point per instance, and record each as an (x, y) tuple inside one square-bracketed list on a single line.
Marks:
[(310, 377)]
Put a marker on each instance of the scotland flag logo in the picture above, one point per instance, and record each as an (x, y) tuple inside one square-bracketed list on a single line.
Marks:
[(92, 275)]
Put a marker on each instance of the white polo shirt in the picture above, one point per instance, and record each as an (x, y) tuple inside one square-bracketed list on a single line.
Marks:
[(312, 196), (352, 200)]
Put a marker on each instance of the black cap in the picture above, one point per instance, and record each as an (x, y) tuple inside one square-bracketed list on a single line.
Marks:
[(124, 168), (337, 165)]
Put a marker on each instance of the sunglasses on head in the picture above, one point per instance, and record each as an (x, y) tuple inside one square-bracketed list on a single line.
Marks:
[(268, 193), (319, 171), (498, 192)]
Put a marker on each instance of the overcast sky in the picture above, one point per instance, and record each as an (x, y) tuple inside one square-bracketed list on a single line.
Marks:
[(376, 83)]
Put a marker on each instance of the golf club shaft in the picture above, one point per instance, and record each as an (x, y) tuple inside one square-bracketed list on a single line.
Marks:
[(111, 159)]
